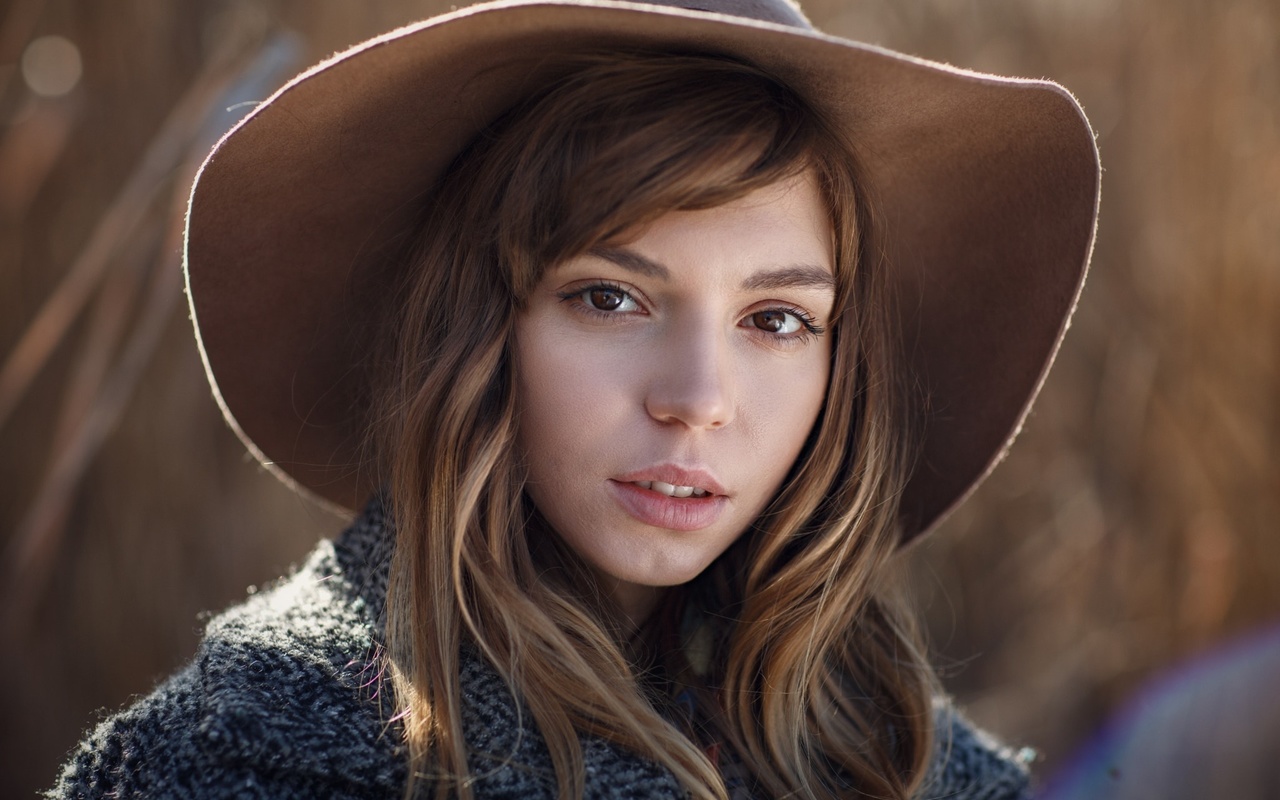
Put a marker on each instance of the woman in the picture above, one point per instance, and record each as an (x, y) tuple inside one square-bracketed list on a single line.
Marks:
[(653, 334)]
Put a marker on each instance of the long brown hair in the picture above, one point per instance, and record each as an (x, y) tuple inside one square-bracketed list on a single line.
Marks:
[(824, 691)]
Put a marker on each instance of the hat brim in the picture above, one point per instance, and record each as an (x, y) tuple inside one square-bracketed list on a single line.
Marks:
[(985, 191)]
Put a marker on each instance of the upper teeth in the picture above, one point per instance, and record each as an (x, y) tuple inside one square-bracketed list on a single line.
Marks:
[(671, 490)]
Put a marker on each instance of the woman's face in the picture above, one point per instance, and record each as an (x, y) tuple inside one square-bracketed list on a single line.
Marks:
[(667, 384)]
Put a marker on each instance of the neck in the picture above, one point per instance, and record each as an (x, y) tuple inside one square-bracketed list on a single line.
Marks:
[(635, 603)]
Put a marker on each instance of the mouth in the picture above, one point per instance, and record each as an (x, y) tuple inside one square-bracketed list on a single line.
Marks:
[(672, 480), (672, 490), (671, 506)]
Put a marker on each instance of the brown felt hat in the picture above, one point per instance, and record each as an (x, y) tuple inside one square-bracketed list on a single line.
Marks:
[(986, 191)]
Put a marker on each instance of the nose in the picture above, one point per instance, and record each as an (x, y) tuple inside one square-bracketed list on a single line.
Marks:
[(692, 382)]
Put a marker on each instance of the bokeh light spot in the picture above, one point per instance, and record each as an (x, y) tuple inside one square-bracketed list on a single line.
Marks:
[(51, 66)]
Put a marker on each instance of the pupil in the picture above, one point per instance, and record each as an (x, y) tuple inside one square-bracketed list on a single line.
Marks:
[(605, 299)]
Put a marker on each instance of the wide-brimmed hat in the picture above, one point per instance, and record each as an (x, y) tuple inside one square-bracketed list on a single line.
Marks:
[(986, 190)]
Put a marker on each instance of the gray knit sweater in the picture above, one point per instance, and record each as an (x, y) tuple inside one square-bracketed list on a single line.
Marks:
[(282, 701)]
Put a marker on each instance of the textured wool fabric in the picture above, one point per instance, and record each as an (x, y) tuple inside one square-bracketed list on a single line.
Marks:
[(284, 700)]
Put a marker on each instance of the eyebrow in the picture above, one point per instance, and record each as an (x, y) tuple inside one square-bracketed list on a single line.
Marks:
[(631, 261), (800, 276)]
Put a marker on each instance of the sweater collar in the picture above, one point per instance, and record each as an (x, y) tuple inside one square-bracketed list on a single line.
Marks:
[(363, 552)]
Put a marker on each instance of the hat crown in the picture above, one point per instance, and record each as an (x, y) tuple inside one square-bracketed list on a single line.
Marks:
[(780, 12)]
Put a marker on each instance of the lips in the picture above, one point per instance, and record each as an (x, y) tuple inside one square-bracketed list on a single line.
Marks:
[(671, 497), (665, 478), (671, 490)]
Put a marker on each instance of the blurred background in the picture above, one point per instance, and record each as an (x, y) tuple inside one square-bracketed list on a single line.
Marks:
[(1133, 526)]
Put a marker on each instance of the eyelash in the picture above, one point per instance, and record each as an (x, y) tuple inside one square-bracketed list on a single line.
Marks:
[(810, 327), (601, 286)]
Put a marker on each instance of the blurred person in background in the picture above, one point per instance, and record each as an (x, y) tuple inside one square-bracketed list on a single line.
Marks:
[(644, 338), (1207, 729)]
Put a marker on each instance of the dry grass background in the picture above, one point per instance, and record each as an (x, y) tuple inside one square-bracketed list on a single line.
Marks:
[(1134, 524)]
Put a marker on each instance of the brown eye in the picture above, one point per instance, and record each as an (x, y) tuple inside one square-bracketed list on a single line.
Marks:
[(775, 321), (604, 299)]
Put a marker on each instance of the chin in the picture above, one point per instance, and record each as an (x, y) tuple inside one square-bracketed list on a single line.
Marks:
[(663, 578)]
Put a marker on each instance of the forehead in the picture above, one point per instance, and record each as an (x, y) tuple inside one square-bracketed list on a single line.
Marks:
[(785, 223)]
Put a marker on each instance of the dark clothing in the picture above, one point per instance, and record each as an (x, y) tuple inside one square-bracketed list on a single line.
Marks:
[(284, 700)]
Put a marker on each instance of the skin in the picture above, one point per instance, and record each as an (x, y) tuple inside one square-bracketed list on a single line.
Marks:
[(695, 352)]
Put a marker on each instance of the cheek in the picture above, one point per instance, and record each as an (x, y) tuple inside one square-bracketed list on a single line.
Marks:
[(567, 399), (785, 400)]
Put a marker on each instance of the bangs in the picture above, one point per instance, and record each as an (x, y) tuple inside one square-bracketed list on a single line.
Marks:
[(620, 141)]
